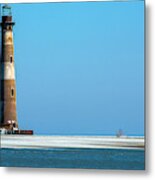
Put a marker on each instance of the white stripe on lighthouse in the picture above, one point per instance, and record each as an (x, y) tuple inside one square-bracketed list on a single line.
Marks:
[(7, 71)]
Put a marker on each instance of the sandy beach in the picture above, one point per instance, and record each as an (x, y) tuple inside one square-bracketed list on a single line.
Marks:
[(38, 141)]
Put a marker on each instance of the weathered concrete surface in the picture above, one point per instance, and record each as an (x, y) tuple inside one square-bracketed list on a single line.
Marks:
[(36, 141)]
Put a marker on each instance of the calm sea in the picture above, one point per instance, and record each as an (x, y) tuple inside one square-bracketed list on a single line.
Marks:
[(74, 158)]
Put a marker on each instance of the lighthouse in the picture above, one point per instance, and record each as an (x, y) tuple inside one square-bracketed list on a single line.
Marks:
[(8, 113)]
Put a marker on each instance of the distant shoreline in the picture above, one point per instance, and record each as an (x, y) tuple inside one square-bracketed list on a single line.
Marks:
[(54, 141)]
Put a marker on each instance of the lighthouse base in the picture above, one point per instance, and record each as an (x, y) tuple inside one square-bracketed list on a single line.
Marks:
[(16, 132)]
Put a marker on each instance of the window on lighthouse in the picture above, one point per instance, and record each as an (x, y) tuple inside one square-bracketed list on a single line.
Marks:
[(9, 27), (12, 92), (11, 59)]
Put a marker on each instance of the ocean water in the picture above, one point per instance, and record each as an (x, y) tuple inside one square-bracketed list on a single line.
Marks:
[(125, 159)]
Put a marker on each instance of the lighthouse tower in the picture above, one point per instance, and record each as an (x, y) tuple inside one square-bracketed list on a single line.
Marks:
[(8, 114)]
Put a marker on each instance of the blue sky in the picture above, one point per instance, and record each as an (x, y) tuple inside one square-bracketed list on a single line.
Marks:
[(80, 67)]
